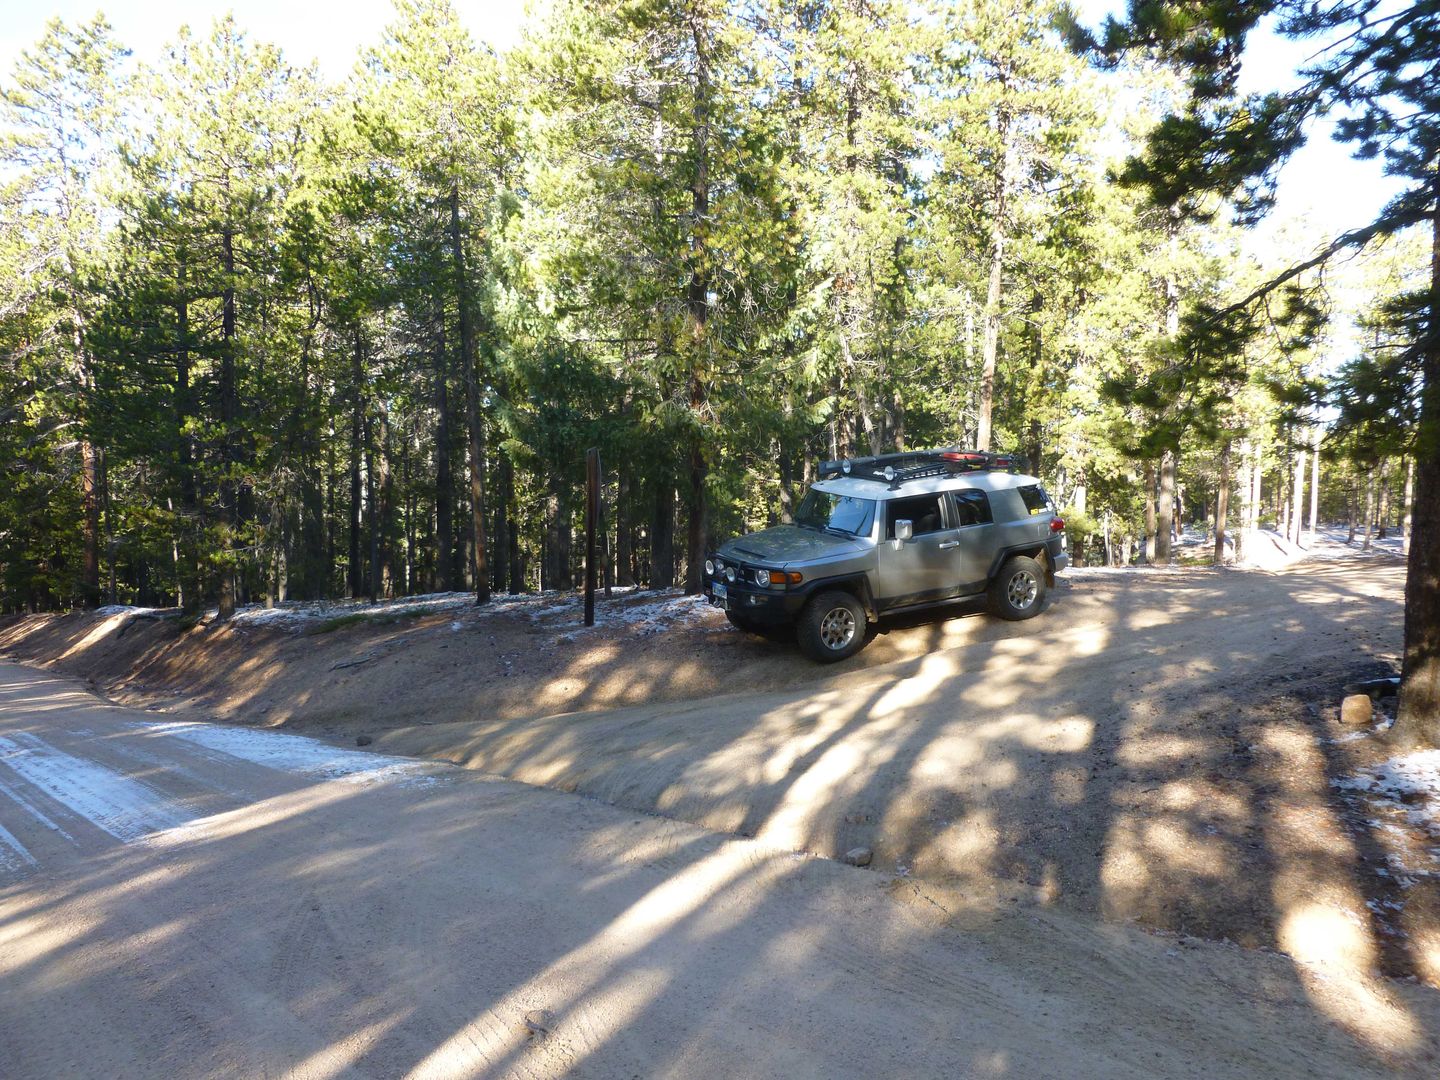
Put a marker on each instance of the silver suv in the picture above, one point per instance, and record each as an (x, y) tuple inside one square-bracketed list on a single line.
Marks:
[(894, 533)]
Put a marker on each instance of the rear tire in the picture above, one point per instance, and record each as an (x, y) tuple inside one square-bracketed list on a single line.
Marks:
[(1018, 591), (831, 627)]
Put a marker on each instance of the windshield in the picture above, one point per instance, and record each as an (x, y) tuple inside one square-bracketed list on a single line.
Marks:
[(836, 513)]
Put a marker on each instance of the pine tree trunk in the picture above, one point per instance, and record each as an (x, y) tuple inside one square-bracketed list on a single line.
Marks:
[(1383, 513), (1408, 521), (1369, 509), (624, 541), (662, 537), (1000, 193), (447, 559), (355, 573), (1315, 485), (1257, 489), (504, 521), (1165, 509), (1222, 505), (90, 518), (229, 419), (1297, 500), (469, 360), (372, 515), (1150, 516), (382, 552), (697, 305), (1242, 534), (1418, 720)]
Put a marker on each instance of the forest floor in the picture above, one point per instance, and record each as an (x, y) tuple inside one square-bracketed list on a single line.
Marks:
[(1160, 747)]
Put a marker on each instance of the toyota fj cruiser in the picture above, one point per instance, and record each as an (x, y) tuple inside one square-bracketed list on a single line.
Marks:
[(894, 533)]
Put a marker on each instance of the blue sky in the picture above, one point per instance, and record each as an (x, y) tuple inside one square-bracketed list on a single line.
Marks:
[(332, 33), (1322, 190)]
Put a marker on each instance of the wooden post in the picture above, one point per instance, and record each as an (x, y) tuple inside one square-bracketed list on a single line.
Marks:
[(592, 520)]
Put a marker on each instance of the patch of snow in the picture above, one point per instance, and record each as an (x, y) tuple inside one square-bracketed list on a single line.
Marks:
[(110, 610), (1134, 568), (1410, 778), (296, 754), (1385, 724), (627, 605), (13, 855), (123, 807)]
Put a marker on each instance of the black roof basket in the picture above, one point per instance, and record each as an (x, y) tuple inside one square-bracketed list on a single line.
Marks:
[(896, 469)]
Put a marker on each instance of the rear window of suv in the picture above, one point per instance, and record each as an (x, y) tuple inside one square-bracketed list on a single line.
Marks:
[(1036, 501)]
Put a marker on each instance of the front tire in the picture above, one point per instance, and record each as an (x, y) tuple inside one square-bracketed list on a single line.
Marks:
[(1018, 591), (831, 627)]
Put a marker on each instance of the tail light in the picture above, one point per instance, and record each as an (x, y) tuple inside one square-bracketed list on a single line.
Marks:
[(1056, 524)]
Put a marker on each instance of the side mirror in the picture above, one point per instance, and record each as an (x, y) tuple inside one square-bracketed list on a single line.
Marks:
[(904, 530)]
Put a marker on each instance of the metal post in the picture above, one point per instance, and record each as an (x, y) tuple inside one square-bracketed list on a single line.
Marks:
[(592, 517)]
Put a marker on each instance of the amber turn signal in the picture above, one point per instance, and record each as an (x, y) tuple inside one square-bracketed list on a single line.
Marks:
[(780, 577)]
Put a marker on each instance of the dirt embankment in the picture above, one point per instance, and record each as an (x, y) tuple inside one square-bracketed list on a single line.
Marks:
[(1160, 748)]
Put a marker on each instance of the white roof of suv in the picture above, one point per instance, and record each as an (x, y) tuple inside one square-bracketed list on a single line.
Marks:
[(878, 489)]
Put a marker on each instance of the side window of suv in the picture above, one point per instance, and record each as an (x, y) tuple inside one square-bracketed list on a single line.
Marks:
[(922, 511), (971, 508), (1036, 501)]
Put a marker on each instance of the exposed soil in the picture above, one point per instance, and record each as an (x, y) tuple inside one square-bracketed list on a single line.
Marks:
[(1159, 748)]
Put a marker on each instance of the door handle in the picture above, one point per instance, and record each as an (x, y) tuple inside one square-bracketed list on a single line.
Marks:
[(949, 544)]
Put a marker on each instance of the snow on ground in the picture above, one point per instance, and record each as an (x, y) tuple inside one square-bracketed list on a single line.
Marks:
[(1401, 798), (643, 611), (1412, 779), (1330, 544)]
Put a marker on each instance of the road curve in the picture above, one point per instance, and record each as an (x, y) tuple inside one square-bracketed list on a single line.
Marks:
[(189, 900)]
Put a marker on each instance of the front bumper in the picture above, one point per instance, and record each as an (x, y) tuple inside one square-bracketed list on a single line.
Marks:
[(756, 604)]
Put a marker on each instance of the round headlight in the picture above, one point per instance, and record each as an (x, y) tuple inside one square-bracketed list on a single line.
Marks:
[(709, 567), (762, 578), (729, 573)]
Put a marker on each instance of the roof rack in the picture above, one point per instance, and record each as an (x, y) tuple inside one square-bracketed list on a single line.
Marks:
[(901, 468)]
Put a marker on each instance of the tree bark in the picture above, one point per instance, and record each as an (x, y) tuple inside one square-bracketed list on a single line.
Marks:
[(1222, 505), (624, 542), (469, 360), (355, 571), (1297, 500), (1418, 720), (1242, 534), (994, 286), (1407, 522), (504, 521), (229, 418), (1150, 517), (372, 515), (1165, 509), (662, 537), (90, 518), (1369, 509), (697, 305), (1315, 484), (447, 558), (1383, 512)]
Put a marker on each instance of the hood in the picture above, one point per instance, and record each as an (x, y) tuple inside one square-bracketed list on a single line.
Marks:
[(787, 544)]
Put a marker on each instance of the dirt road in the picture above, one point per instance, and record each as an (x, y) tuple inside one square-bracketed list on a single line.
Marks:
[(187, 900), (1148, 749)]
